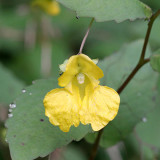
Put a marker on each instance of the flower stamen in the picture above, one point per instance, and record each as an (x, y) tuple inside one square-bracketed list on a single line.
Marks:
[(80, 78)]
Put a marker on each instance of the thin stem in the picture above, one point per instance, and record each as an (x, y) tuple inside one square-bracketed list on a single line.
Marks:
[(146, 60), (85, 37), (132, 74), (141, 62), (150, 24), (95, 146)]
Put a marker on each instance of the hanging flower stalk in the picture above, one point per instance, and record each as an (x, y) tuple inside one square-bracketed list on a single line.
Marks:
[(82, 99)]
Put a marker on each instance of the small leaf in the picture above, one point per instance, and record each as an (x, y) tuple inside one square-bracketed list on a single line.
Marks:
[(155, 61), (106, 10), (137, 99), (30, 134)]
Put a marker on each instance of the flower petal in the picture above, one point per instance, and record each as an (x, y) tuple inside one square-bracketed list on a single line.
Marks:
[(79, 64), (50, 7), (62, 109), (99, 107)]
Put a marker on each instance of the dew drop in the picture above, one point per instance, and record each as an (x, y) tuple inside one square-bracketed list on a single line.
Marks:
[(144, 119), (12, 105), (23, 91), (10, 110), (10, 115)]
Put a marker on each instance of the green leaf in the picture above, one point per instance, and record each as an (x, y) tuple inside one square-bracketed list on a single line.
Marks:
[(155, 61), (137, 99), (106, 10), (10, 86), (30, 134), (136, 149), (149, 131)]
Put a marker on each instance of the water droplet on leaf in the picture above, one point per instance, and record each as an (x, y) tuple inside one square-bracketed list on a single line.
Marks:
[(144, 119), (12, 105), (10, 110), (10, 115), (23, 91)]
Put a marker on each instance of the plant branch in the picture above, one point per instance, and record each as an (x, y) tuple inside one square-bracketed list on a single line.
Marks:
[(96, 144), (132, 74), (150, 24), (142, 61), (85, 37)]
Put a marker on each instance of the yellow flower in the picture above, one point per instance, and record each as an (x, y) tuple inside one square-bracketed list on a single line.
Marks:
[(49, 6), (82, 99)]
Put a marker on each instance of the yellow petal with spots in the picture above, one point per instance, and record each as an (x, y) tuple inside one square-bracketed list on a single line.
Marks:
[(99, 107), (79, 64), (62, 108)]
